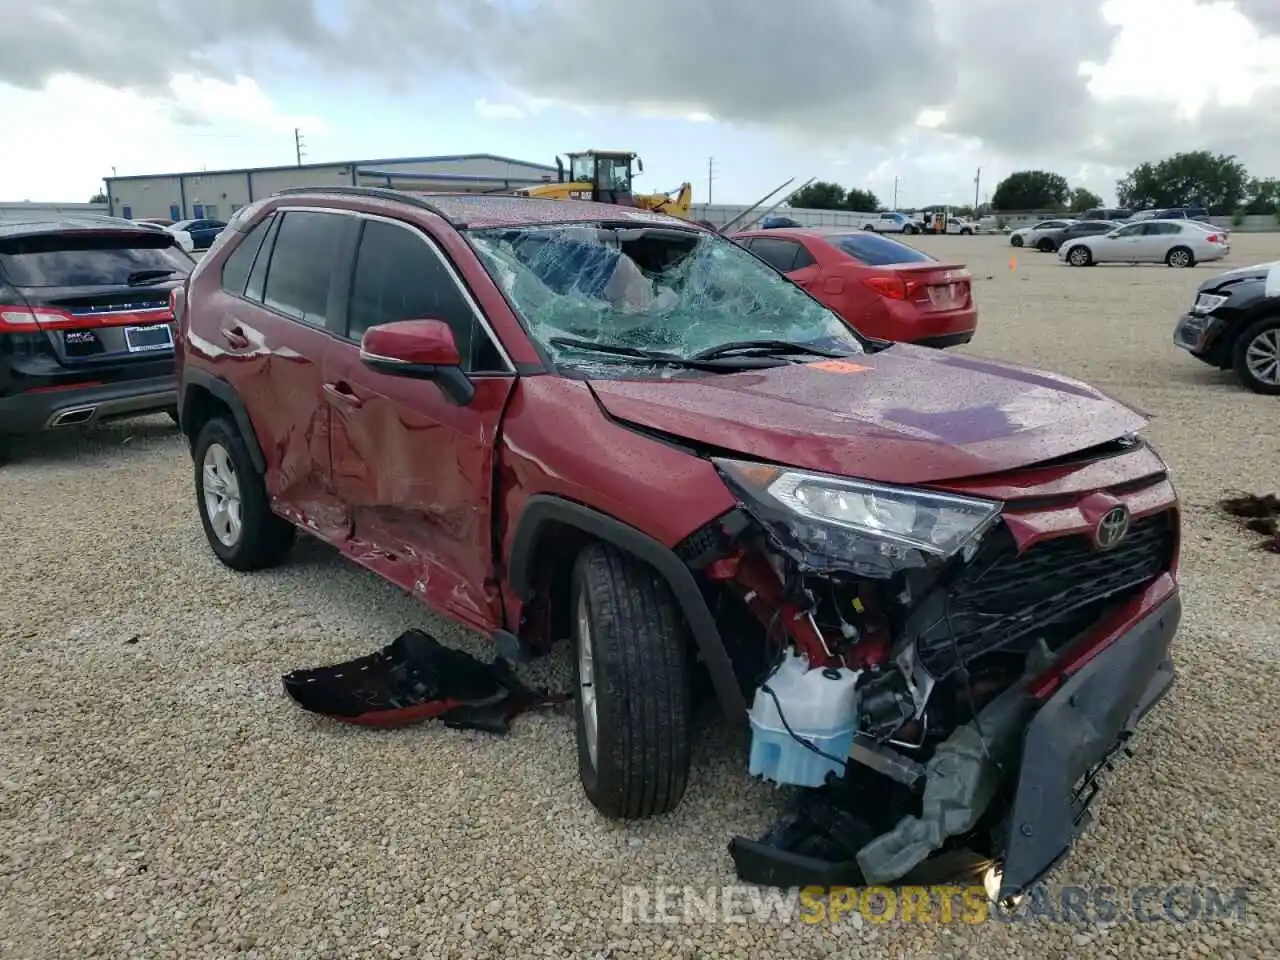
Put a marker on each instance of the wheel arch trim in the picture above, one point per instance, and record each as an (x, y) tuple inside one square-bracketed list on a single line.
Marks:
[(225, 393), (543, 510)]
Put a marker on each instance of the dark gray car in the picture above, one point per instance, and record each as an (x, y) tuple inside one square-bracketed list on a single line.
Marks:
[(1051, 240)]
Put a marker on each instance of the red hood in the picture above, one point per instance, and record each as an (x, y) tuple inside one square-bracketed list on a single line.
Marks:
[(905, 415)]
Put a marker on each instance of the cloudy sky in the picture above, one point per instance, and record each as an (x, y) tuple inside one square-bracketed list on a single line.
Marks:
[(857, 91)]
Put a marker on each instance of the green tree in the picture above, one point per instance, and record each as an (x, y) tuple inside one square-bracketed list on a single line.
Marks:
[(1031, 190), (98, 197), (1082, 200), (1263, 196), (1218, 182), (863, 201), (819, 196)]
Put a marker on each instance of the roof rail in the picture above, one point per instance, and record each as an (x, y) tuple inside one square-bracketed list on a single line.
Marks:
[(374, 193)]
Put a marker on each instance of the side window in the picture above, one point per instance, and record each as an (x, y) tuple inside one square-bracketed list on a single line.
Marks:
[(803, 258), (1131, 231), (258, 275), (1164, 229), (302, 265), (235, 272), (779, 254), (399, 276)]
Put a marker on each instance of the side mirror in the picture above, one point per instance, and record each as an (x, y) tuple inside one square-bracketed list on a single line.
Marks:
[(422, 349)]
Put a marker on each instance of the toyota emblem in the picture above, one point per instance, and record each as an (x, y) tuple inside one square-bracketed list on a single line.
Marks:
[(1111, 528)]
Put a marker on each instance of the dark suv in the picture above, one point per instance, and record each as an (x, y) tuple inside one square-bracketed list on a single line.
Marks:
[(555, 418), (85, 322)]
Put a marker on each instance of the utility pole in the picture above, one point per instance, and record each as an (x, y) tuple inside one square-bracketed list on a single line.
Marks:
[(711, 175), (297, 144), (977, 186), (895, 193)]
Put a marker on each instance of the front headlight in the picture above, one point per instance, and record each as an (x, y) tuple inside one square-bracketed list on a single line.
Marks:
[(1208, 302), (870, 528)]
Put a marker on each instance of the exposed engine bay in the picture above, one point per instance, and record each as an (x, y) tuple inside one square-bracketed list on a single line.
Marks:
[(889, 635)]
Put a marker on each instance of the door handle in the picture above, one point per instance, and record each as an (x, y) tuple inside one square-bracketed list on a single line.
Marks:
[(342, 394), (235, 336)]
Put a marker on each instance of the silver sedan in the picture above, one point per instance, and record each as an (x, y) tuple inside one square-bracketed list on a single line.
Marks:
[(1176, 243)]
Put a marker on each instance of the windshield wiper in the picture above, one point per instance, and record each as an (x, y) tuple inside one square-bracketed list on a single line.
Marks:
[(638, 354), (147, 276), (618, 350), (763, 348)]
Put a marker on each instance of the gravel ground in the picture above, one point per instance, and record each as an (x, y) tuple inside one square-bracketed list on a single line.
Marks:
[(160, 797)]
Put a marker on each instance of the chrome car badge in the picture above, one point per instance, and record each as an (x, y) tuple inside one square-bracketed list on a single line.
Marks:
[(1111, 529)]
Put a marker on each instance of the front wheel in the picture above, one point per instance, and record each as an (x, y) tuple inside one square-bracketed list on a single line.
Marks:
[(1079, 257), (909, 230), (1180, 257), (1256, 356), (869, 227), (966, 233), (633, 669), (1015, 241)]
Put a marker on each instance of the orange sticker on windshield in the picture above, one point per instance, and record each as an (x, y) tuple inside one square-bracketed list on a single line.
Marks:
[(839, 366)]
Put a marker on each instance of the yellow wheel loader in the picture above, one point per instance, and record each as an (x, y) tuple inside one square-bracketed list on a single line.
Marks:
[(605, 176)]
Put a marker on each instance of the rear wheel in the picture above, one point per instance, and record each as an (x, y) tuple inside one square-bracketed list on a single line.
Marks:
[(1256, 356), (633, 667), (868, 227), (966, 232), (1180, 257), (1045, 245), (908, 229), (232, 498), (1079, 257)]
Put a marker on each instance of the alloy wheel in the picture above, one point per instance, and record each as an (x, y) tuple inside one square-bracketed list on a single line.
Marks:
[(1079, 256), (221, 489), (1262, 356), (586, 681), (1179, 258)]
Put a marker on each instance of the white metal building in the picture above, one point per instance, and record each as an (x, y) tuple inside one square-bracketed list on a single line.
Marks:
[(217, 194)]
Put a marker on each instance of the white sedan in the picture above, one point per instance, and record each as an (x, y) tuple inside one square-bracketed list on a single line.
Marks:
[(1177, 243), (1031, 236), (183, 238)]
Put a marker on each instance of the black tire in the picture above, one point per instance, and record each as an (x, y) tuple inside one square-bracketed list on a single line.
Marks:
[(1015, 241), (1045, 245), (909, 230), (642, 671), (1080, 256), (264, 538), (966, 232), (868, 226), (1180, 257), (1240, 355)]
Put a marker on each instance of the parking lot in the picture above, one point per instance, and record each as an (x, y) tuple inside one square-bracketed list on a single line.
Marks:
[(160, 796)]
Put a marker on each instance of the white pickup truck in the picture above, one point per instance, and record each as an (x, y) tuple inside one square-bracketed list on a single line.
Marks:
[(892, 223)]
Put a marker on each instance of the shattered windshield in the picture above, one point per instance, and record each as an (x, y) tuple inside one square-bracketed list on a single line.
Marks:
[(594, 293)]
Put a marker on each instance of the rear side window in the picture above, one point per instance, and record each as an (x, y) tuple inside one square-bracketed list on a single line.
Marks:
[(779, 254), (302, 263), (399, 276), (878, 251), (91, 259), (235, 272), (1163, 228)]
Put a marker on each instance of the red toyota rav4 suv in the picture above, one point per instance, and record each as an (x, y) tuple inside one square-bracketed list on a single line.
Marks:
[(934, 575)]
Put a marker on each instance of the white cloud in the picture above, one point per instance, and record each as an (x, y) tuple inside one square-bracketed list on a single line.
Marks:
[(489, 110), (65, 138)]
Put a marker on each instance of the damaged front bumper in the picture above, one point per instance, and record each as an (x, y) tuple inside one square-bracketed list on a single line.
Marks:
[(1013, 788), (1073, 737)]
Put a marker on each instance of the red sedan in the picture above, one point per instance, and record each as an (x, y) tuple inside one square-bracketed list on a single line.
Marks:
[(882, 287)]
